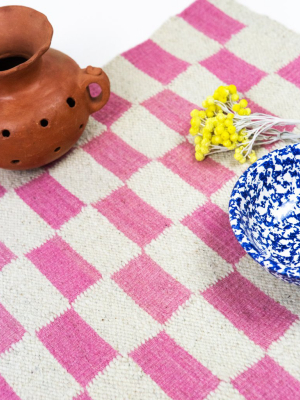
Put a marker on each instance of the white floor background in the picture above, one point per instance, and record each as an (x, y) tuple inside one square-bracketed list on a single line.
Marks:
[(93, 31)]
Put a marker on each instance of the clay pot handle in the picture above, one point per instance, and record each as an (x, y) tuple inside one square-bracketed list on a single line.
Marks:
[(96, 75)]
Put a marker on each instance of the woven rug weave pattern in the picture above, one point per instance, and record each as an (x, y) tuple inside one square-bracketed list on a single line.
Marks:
[(120, 277)]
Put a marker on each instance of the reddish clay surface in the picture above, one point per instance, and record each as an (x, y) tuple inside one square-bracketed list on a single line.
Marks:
[(44, 96)]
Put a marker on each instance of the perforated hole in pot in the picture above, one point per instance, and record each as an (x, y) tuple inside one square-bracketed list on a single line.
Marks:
[(44, 122), (5, 133), (71, 102)]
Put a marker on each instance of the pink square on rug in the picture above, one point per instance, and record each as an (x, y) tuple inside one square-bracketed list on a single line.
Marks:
[(64, 268), (266, 380), (172, 110), (6, 256), (151, 287), (113, 110), (52, 201), (78, 348), (6, 391), (156, 62), (261, 318), (291, 72), (210, 20), (115, 155), (2, 191), (232, 69), (11, 331), (211, 224), (179, 374), (207, 176), (133, 216)]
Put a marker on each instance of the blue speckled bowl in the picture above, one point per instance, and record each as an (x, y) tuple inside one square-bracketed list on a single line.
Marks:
[(264, 211)]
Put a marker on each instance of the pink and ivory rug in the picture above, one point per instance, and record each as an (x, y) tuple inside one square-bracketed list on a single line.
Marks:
[(120, 276)]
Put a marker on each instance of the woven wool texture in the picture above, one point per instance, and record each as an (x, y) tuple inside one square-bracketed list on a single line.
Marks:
[(120, 277)]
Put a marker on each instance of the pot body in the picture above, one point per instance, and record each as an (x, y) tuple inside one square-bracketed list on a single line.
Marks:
[(45, 100)]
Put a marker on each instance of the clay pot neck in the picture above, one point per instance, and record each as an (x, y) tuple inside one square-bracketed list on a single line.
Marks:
[(25, 36)]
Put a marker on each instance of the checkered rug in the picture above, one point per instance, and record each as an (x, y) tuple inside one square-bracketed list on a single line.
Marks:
[(120, 276)]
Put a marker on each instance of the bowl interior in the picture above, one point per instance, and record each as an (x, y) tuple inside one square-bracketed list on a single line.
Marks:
[(265, 211)]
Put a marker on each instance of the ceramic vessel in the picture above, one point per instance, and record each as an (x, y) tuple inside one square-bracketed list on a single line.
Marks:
[(44, 96), (264, 212)]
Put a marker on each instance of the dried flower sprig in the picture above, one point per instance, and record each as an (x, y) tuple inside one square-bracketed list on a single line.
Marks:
[(227, 123)]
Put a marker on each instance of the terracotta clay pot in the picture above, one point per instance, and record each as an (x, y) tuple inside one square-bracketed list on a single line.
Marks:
[(44, 96)]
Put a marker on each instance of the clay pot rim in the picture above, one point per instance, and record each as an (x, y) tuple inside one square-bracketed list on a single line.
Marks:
[(46, 25)]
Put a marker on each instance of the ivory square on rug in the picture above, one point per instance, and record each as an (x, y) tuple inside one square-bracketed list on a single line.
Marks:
[(124, 378), (187, 259), (21, 229), (72, 174), (98, 241), (260, 44), (167, 192), (34, 373), (266, 95), (143, 131), (136, 86), (115, 316), (284, 351), (188, 83), (28, 295), (225, 355), (185, 42)]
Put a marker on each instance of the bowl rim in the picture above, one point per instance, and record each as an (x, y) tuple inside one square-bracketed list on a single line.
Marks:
[(234, 219)]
